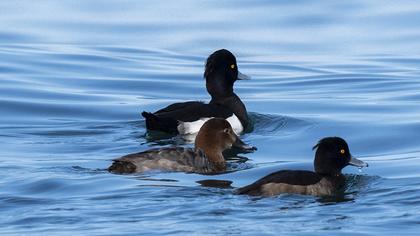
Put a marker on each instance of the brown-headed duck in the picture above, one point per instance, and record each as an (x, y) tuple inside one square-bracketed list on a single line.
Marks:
[(214, 137)]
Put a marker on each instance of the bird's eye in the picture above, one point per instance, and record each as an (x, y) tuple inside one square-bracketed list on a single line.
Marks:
[(232, 66), (226, 131), (342, 151)]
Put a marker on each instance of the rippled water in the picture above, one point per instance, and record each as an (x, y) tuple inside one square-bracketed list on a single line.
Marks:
[(74, 77)]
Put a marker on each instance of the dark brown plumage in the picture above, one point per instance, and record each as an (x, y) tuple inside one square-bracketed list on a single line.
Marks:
[(214, 137)]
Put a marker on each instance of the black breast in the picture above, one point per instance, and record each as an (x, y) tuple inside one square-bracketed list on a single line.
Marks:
[(233, 103)]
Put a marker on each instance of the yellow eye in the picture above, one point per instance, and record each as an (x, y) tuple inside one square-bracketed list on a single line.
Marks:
[(342, 151), (232, 66)]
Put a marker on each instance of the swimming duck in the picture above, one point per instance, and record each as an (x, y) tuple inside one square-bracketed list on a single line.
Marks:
[(214, 137), (332, 155), (221, 72)]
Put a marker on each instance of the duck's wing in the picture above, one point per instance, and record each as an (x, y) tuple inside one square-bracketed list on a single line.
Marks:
[(168, 118), (168, 159), (178, 106), (129, 163), (192, 111), (291, 178)]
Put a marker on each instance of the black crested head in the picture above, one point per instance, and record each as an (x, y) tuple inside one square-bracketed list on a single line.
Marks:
[(220, 73), (332, 155)]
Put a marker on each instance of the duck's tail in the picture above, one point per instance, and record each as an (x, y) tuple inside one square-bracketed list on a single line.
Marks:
[(121, 167), (249, 190), (154, 122)]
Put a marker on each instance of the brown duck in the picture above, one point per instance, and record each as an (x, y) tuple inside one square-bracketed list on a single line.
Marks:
[(214, 137)]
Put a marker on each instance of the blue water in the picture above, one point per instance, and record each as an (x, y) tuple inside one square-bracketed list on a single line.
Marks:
[(75, 75)]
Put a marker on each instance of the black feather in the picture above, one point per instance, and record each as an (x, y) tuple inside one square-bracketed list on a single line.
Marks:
[(292, 177)]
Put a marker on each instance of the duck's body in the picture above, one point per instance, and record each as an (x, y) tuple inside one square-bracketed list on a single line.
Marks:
[(214, 137), (187, 117), (296, 182), (165, 159), (331, 157)]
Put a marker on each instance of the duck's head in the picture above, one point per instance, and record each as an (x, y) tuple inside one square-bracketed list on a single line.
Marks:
[(215, 136), (221, 72), (332, 155)]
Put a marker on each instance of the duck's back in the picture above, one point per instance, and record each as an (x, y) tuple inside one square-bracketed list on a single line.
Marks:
[(193, 111), (185, 117), (167, 159), (293, 181)]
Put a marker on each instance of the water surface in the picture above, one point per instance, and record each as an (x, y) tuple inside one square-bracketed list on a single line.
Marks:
[(74, 77)]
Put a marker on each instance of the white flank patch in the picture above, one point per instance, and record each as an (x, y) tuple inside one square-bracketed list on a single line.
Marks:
[(192, 127), (236, 124)]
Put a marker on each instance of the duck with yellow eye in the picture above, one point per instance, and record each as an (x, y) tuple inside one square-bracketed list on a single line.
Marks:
[(186, 118), (332, 155)]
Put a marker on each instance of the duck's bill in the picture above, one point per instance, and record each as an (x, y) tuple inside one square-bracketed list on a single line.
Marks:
[(243, 76), (239, 144), (358, 163)]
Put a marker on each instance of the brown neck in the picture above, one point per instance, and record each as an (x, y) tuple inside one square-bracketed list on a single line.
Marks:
[(215, 157)]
